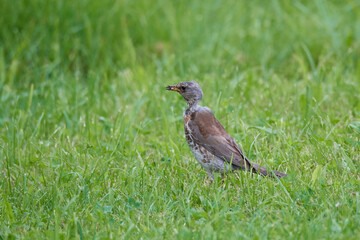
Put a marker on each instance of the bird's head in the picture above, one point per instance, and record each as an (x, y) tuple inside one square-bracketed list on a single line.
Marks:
[(191, 91)]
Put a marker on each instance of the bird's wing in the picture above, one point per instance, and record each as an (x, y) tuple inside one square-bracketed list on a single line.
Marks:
[(208, 132)]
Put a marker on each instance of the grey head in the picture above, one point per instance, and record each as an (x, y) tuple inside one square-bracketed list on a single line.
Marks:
[(191, 92)]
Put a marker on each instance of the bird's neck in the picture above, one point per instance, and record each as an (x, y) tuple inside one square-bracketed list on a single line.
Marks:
[(192, 105)]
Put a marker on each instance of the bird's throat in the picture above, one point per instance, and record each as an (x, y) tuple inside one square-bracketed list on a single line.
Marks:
[(192, 105)]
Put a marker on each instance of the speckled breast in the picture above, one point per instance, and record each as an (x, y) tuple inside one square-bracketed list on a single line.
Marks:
[(204, 157)]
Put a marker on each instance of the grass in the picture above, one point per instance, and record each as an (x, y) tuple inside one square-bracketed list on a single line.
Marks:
[(92, 146)]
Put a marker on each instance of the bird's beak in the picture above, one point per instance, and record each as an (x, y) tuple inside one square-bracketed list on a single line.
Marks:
[(173, 88)]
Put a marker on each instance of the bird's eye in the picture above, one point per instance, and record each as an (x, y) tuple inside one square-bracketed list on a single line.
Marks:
[(182, 88)]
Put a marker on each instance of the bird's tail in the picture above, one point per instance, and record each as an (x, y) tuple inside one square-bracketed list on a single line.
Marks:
[(264, 172)]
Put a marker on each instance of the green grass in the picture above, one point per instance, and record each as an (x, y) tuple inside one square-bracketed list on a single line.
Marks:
[(92, 146)]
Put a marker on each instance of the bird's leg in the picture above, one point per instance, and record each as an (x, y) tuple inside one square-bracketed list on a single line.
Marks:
[(211, 176), (223, 176)]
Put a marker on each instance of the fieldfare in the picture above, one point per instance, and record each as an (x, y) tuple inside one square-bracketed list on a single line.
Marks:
[(211, 145)]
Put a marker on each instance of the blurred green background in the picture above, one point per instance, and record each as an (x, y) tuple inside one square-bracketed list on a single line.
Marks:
[(92, 145)]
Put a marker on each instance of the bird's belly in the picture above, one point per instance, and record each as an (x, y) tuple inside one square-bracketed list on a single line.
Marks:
[(206, 159)]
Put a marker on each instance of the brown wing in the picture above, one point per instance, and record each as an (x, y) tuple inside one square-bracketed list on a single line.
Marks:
[(208, 132)]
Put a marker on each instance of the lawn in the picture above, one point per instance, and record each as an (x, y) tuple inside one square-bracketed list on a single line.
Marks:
[(92, 146)]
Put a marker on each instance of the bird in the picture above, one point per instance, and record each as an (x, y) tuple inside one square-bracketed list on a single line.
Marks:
[(209, 142)]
